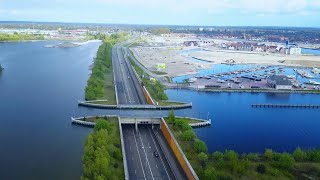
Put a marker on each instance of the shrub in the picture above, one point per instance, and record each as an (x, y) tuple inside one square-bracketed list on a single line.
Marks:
[(285, 162), (299, 155), (217, 155), (252, 157), (268, 154), (171, 117), (210, 174), (188, 135), (203, 158), (200, 146)]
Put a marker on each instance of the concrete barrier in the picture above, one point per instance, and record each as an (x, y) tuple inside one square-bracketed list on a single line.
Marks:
[(124, 157), (182, 159), (142, 107), (147, 96)]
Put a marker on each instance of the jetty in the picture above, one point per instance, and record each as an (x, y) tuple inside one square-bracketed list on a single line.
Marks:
[(285, 105)]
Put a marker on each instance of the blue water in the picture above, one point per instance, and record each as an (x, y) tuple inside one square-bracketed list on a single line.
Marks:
[(238, 126), (310, 51)]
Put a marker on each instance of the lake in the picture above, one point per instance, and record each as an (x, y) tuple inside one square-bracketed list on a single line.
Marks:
[(40, 88), (238, 126)]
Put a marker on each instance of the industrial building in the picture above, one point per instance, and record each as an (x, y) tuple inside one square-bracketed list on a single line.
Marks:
[(279, 82)]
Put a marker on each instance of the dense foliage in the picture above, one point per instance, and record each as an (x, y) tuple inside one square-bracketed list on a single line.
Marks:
[(154, 87), (102, 157), (102, 65), (230, 165), (19, 37)]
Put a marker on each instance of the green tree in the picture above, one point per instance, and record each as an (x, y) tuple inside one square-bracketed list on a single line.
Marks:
[(268, 154), (217, 155), (299, 155), (252, 156), (203, 158), (171, 117), (188, 135), (210, 174), (200, 146), (102, 124), (285, 162)]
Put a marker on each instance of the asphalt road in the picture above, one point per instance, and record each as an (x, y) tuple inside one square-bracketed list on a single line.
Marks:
[(129, 89), (140, 147)]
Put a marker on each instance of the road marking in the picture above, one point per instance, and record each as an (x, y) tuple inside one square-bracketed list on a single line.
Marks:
[(144, 175), (146, 155), (159, 152)]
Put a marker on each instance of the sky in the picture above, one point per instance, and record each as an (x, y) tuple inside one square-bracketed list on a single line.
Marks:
[(298, 13)]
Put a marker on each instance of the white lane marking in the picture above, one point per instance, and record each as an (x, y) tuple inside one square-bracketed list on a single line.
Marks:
[(144, 175), (124, 75), (122, 78), (146, 155), (158, 152)]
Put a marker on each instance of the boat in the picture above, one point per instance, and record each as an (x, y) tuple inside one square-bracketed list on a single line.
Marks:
[(207, 77), (313, 82), (221, 81), (236, 80), (192, 80), (229, 85), (291, 76), (315, 71), (241, 86)]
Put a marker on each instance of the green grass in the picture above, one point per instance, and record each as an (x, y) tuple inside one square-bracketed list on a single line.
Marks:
[(166, 103), (159, 73)]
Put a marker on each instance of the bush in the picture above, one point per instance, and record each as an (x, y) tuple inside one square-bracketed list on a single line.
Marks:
[(313, 155), (252, 157), (217, 155), (188, 135), (200, 146), (171, 117), (285, 162), (261, 169), (203, 158), (299, 155), (268, 154), (210, 174)]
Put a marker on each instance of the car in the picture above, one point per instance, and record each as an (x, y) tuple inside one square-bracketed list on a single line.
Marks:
[(156, 154), (128, 77)]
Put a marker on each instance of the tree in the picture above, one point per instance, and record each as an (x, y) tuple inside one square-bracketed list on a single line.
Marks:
[(171, 117), (102, 124), (252, 156), (217, 155), (299, 155), (200, 146), (268, 154), (285, 162), (210, 174), (203, 158), (231, 155), (188, 135)]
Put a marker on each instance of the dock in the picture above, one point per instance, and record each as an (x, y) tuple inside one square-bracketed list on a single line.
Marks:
[(285, 106)]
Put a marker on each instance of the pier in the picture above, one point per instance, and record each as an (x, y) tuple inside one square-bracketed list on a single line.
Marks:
[(285, 105)]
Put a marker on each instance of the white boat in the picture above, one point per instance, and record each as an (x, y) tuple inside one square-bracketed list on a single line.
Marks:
[(221, 81), (315, 71), (192, 80), (229, 85), (313, 82), (241, 86), (291, 76)]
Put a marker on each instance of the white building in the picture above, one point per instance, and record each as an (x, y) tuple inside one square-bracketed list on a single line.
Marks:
[(295, 50)]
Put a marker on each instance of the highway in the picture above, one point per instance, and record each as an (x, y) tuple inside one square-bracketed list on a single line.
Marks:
[(128, 87), (140, 147)]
